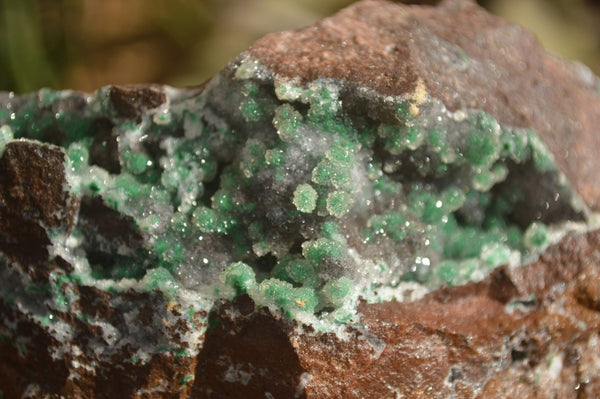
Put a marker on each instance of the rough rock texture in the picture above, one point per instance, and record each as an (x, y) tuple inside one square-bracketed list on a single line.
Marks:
[(480, 62), (33, 196), (530, 331)]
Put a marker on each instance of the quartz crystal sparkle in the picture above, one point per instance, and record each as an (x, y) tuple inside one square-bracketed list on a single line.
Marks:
[(355, 209), (271, 188)]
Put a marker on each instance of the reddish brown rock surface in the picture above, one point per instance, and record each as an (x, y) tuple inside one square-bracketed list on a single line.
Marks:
[(529, 332), (466, 57), (34, 196), (461, 342)]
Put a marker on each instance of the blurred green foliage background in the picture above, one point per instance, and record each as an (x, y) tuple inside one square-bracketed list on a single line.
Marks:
[(85, 44)]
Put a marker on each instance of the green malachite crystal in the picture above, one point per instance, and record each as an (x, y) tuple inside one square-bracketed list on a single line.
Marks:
[(282, 191), (305, 198)]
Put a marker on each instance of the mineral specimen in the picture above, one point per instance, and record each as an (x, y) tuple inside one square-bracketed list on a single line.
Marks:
[(291, 228)]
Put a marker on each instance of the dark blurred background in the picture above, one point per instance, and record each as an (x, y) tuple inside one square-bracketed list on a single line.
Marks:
[(85, 44)]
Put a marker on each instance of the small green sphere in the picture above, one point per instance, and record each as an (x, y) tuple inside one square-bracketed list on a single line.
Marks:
[(339, 203), (305, 198)]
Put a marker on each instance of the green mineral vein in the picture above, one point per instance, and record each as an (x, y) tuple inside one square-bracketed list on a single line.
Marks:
[(263, 187)]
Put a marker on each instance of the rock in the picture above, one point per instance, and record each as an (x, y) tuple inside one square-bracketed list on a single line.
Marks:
[(131, 102), (455, 342), (35, 201), (491, 65), (397, 201)]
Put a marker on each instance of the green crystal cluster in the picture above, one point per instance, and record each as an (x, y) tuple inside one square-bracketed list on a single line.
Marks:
[(293, 194)]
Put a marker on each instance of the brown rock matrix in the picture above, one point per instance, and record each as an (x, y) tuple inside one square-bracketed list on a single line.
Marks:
[(466, 57), (529, 331)]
